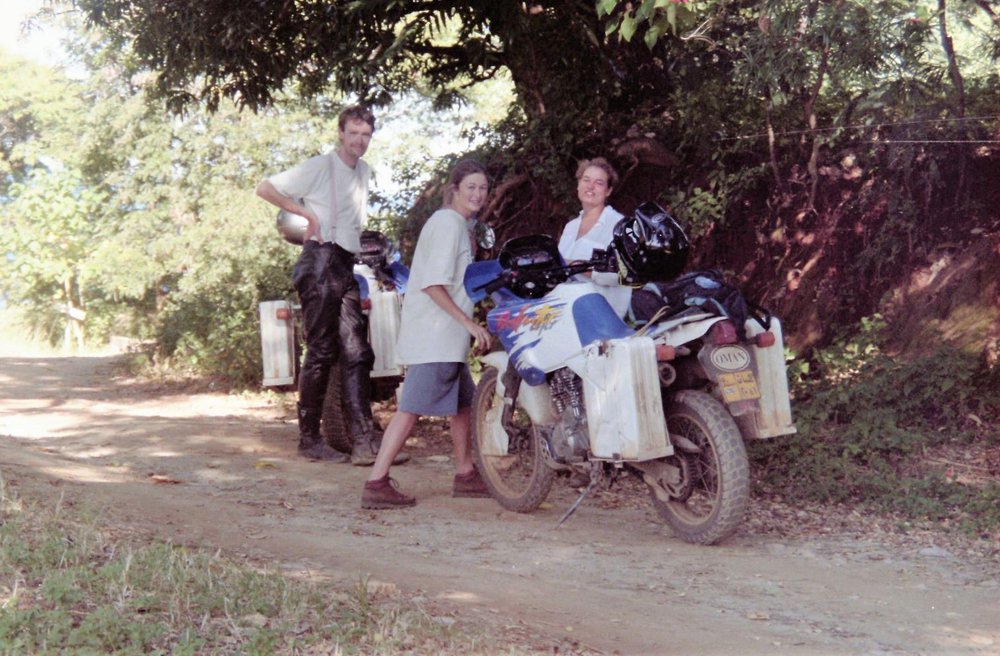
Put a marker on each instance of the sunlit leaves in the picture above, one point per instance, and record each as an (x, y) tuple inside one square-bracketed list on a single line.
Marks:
[(653, 18), (48, 228), (34, 102)]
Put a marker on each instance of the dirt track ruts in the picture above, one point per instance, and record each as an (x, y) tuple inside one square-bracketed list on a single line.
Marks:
[(220, 471)]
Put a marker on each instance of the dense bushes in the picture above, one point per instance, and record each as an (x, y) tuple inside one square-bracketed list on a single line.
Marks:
[(879, 431)]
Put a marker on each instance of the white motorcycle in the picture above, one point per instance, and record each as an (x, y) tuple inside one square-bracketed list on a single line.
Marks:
[(576, 389)]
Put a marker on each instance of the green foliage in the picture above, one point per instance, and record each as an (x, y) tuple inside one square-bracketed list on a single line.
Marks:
[(48, 228), (697, 209), (655, 18), (155, 231), (231, 260), (867, 421), (704, 82), (369, 48), (35, 106)]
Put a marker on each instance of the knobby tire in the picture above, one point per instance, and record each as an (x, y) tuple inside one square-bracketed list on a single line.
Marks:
[(721, 473), (521, 480)]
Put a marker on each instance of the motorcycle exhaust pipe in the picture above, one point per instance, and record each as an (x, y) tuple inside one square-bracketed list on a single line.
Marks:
[(667, 373)]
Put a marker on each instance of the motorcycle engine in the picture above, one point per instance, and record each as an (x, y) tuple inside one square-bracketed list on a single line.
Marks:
[(570, 440)]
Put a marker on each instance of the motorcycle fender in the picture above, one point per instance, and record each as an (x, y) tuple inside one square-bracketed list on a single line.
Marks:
[(690, 329), (497, 441), (498, 360), (536, 400)]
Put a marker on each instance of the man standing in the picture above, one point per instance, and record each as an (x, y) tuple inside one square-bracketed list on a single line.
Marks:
[(331, 192)]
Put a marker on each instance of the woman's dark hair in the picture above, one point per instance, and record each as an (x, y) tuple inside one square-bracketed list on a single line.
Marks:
[(602, 164), (460, 172)]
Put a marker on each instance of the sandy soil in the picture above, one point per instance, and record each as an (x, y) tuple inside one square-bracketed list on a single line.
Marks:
[(221, 471)]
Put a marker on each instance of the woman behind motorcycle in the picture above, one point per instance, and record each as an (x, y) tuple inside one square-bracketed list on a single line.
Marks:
[(650, 242), (434, 340), (593, 228)]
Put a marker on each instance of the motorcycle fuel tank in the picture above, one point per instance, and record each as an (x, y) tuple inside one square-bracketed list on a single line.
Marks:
[(542, 334)]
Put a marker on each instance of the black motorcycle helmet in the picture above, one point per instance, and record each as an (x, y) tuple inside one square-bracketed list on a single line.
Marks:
[(651, 246), (376, 249)]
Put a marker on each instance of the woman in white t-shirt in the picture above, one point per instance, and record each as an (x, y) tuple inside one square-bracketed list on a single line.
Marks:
[(434, 338), (594, 227)]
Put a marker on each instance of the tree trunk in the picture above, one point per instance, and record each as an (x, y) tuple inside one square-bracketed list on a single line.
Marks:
[(949, 50), (956, 80), (810, 107)]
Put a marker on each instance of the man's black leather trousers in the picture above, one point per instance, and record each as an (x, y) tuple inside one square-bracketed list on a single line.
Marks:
[(334, 328)]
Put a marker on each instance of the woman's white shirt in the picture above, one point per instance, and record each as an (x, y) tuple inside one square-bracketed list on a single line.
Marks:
[(427, 333), (572, 247)]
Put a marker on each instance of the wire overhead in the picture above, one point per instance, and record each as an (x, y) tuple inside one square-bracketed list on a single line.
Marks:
[(877, 126)]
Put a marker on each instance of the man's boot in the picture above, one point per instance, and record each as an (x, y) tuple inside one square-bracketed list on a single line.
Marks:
[(364, 455), (366, 441), (311, 443), (365, 432), (364, 452)]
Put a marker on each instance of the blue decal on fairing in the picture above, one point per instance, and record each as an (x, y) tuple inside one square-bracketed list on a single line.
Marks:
[(529, 374), (532, 376), (400, 276), (363, 285), (596, 320), (520, 327), (532, 316)]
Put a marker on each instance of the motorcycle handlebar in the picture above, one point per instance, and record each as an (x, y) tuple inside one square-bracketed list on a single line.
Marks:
[(600, 260), (496, 284)]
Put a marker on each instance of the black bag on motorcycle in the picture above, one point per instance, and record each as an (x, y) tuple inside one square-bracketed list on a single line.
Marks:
[(705, 291)]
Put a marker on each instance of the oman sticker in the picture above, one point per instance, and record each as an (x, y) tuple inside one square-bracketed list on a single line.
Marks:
[(731, 358)]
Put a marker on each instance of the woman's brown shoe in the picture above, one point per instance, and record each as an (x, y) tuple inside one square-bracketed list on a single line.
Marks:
[(384, 493)]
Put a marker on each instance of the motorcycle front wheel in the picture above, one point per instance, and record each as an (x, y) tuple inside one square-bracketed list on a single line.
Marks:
[(519, 479), (710, 502)]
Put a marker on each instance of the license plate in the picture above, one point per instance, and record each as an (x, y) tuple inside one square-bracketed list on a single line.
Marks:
[(739, 386)]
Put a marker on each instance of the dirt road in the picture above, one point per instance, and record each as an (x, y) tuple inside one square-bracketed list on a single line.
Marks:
[(221, 471)]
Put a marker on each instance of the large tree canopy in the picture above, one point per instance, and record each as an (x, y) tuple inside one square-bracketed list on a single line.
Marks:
[(247, 51), (817, 145)]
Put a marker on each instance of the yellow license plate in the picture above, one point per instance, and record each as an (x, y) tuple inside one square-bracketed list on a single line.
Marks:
[(739, 386)]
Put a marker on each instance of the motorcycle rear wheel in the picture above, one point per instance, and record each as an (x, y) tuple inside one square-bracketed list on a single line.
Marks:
[(717, 488), (335, 427), (520, 480)]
